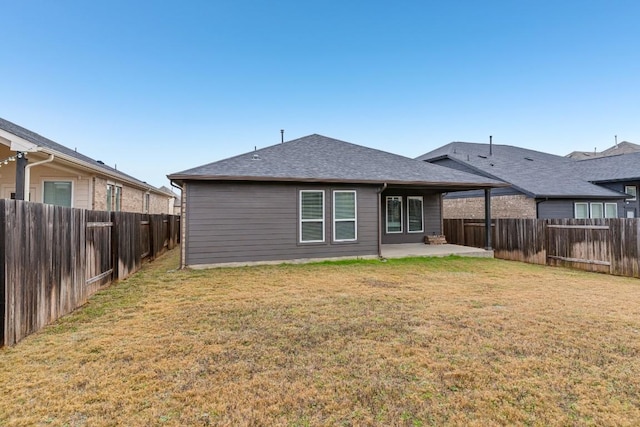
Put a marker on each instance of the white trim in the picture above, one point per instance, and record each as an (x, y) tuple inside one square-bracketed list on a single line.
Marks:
[(386, 219), (421, 214), (60, 179), (591, 205), (354, 219), (310, 220), (575, 209), (605, 210)]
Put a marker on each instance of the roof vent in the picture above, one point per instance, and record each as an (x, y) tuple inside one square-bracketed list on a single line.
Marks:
[(529, 158), (100, 161), (255, 157), (481, 156)]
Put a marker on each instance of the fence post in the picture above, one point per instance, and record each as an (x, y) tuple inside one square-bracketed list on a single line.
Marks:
[(115, 246), (487, 218), (3, 280), (152, 240)]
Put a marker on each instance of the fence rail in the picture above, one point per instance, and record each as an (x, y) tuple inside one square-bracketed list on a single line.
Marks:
[(52, 259), (605, 245)]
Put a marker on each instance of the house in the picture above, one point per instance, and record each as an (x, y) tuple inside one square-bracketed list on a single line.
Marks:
[(49, 172), (174, 208), (311, 198), (541, 185), (620, 173), (625, 147)]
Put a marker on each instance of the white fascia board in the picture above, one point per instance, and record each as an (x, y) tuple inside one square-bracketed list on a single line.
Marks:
[(17, 143)]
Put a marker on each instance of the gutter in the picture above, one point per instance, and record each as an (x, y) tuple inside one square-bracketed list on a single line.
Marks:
[(27, 175), (384, 187)]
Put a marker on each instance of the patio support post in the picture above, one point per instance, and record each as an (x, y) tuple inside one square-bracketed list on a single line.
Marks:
[(21, 165), (487, 218)]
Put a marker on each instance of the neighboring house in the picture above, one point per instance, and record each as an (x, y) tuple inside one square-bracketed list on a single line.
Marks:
[(175, 205), (619, 173), (624, 147), (541, 185), (57, 175), (311, 198)]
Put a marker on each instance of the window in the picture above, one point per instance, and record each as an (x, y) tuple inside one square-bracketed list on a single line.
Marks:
[(311, 216), (57, 193), (596, 210), (581, 210), (344, 216), (114, 198), (394, 214), (632, 191), (611, 210), (147, 198), (415, 215)]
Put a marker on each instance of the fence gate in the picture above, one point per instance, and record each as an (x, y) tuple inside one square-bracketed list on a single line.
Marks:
[(588, 245), (98, 249)]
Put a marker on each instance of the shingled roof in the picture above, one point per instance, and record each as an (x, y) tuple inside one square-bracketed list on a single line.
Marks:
[(317, 158), (51, 147), (623, 167), (537, 174)]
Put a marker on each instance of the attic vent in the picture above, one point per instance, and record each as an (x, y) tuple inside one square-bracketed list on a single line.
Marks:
[(529, 158), (481, 156)]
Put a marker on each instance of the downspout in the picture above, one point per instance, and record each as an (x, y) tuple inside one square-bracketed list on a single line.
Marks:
[(384, 187), (27, 175)]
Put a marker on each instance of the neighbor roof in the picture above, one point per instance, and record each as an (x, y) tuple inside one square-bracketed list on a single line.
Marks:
[(317, 158), (625, 147), (623, 167), (52, 147), (537, 174)]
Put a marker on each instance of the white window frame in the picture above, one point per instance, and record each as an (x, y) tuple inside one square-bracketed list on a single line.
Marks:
[(634, 193), (575, 209), (321, 220), (409, 198), (112, 201), (387, 215), (56, 179), (615, 205), (354, 219), (591, 205)]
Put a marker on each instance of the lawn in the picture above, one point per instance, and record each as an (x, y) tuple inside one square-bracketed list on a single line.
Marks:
[(452, 341)]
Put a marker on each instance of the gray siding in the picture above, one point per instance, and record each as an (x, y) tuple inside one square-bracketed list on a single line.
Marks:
[(243, 222), (431, 210), (625, 205), (549, 209), (564, 208)]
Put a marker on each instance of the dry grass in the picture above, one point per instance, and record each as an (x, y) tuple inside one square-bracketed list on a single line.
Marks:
[(407, 342)]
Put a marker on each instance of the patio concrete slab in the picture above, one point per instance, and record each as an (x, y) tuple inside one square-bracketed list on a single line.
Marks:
[(422, 250)]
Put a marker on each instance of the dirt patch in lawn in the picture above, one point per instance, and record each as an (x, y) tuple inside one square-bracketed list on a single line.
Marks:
[(406, 342)]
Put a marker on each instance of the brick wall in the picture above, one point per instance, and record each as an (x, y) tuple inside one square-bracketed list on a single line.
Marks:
[(514, 206), (132, 199), (159, 204), (99, 194)]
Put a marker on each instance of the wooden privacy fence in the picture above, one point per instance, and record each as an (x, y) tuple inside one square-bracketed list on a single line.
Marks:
[(605, 245), (52, 259)]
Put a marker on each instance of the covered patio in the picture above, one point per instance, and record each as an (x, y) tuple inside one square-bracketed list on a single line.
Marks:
[(421, 250)]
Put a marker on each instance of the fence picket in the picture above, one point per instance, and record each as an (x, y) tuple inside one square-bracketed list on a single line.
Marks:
[(604, 245), (52, 259)]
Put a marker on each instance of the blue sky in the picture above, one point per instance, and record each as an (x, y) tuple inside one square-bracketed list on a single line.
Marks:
[(159, 87)]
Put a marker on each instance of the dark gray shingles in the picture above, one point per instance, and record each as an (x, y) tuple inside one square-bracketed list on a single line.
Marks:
[(319, 158), (46, 143), (533, 172), (623, 167)]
